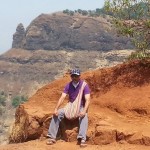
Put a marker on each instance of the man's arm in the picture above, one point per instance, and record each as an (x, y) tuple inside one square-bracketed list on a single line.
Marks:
[(60, 101), (87, 102)]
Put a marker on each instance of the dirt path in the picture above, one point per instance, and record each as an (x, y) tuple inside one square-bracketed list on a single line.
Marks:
[(61, 145)]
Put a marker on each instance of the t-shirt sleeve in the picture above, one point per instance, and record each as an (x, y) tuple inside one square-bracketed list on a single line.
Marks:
[(66, 89), (86, 90)]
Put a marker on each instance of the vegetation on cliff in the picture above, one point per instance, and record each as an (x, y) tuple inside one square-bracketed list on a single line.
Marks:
[(132, 18)]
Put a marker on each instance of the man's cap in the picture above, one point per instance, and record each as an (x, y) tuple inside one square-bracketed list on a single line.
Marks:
[(75, 72)]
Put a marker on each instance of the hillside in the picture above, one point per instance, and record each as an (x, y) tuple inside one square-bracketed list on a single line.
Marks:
[(50, 46), (54, 43), (119, 111), (23, 72), (60, 31)]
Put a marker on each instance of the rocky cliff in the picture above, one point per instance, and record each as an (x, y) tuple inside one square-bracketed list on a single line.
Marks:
[(60, 31)]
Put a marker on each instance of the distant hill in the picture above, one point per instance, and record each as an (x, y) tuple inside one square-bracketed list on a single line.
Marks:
[(60, 31)]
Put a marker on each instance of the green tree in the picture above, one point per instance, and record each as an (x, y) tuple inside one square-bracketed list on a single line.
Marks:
[(66, 11), (84, 12), (71, 13), (79, 11), (132, 18)]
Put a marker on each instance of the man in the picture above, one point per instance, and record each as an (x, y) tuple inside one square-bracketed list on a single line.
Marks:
[(76, 89)]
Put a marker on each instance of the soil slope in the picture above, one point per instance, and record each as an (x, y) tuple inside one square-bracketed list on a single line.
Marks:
[(118, 115)]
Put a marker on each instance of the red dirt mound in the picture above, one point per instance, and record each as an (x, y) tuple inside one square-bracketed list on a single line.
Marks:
[(119, 110)]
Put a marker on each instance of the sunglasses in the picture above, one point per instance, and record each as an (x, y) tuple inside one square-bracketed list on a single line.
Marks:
[(74, 76)]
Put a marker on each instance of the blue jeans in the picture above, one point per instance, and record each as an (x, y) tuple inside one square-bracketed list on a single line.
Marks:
[(54, 125)]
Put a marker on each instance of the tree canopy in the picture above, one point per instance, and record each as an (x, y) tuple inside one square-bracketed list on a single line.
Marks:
[(132, 18)]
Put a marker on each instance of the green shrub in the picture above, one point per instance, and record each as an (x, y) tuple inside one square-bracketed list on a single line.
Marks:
[(2, 99), (138, 55), (16, 101), (2, 109)]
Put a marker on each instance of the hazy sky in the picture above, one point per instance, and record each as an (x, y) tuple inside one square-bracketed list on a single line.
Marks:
[(13, 12)]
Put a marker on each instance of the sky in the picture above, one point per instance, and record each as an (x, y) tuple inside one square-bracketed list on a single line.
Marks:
[(13, 12)]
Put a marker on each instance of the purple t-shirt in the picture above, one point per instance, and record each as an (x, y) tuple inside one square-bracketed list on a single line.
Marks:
[(73, 92)]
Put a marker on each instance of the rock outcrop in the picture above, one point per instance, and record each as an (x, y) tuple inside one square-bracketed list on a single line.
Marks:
[(19, 36), (60, 31), (119, 111)]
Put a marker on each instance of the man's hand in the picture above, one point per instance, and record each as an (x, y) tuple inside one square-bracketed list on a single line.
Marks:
[(60, 101), (82, 114), (87, 102), (55, 112)]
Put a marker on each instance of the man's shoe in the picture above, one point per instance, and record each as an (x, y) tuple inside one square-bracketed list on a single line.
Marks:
[(83, 143), (79, 141), (50, 141)]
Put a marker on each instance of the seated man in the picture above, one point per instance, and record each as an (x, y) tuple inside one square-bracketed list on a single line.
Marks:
[(79, 99)]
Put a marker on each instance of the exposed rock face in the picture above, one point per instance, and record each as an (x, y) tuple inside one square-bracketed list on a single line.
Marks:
[(19, 36), (119, 109), (61, 31)]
